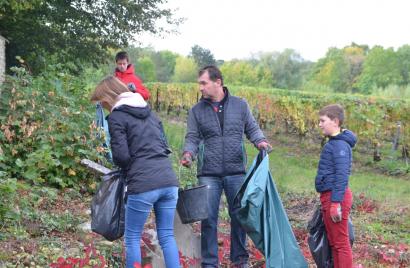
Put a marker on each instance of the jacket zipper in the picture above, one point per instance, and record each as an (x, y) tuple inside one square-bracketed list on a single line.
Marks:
[(221, 132)]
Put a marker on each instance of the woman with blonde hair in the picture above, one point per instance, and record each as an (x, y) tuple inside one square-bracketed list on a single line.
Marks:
[(139, 147)]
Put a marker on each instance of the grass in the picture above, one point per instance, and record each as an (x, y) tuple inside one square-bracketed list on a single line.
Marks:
[(295, 171), (293, 166), (46, 222)]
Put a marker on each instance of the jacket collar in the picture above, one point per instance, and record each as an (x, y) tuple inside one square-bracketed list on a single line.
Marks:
[(224, 100)]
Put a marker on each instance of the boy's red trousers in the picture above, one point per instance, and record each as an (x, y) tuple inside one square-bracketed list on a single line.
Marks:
[(338, 233)]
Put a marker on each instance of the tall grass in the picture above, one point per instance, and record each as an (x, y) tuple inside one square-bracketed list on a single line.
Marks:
[(393, 92)]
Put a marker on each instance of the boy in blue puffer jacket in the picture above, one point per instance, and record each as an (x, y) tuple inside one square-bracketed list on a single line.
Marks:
[(332, 182)]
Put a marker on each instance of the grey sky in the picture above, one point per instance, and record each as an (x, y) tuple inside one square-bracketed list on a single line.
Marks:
[(238, 28)]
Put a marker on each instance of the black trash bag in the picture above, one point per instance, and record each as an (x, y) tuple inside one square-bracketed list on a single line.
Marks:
[(317, 240), (108, 207), (351, 232)]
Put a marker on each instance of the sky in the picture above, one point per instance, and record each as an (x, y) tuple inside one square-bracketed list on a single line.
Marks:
[(237, 29)]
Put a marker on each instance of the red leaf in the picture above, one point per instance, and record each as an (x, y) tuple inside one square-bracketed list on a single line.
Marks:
[(87, 250), (220, 254), (93, 250), (72, 260), (258, 255), (143, 252), (102, 260)]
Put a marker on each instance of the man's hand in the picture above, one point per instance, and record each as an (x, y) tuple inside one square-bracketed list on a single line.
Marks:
[(186, 159), (263, 145), (336, 212)]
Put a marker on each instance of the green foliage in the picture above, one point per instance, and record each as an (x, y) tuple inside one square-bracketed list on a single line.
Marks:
[(313, 86), (145, 69), (8, 190), (285, 69), (264, 76), (381, 68), (373, 119), (164, 65), (17, 5), (202, 56), (46, 129), (289, 70), (239, 73), (185, 70), (175, 135), (356, 68), (333, 71), (75, 31), (393, 92), (403, 55)]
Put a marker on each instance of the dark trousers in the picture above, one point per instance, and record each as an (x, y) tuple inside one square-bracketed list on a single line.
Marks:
[(209, 231)]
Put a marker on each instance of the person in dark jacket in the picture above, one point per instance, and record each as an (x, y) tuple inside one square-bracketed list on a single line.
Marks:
[(126, 73), (332, 182), (139, 148), (217, 125)]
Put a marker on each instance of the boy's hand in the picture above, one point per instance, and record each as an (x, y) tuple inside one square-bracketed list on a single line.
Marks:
[(186, 160), (263, 145), (132, 87), (336, 212)]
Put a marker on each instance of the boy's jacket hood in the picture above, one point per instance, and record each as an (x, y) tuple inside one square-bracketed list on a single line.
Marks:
[(348, 136), (129, 70)]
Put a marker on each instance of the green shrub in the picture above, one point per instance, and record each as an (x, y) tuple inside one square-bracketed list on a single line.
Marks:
[(47, 128)]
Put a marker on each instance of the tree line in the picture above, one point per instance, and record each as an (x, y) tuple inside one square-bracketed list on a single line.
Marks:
[(72, 35), (352, 69)]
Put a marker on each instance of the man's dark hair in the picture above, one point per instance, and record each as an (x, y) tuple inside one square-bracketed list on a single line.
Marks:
[(213, 72), (121, 56), (333, 111)]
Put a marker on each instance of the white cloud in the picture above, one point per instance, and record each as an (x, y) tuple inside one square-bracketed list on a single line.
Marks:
[(235, 29)]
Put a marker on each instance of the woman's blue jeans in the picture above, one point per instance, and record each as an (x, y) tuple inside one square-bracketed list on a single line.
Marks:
[(209, 231), (138, 208)]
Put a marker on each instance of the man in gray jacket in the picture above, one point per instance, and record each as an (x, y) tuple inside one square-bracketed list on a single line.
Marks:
[(215, 135)]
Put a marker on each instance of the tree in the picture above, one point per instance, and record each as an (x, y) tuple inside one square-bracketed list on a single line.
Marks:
[(264, 76), (202, 56), (145, 68), (381, 68), (239, 72), (185, 70), (164, 65), (403, 55), (77, 30), (332, 71), (356, 55), (285, 69), (288, 69)]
